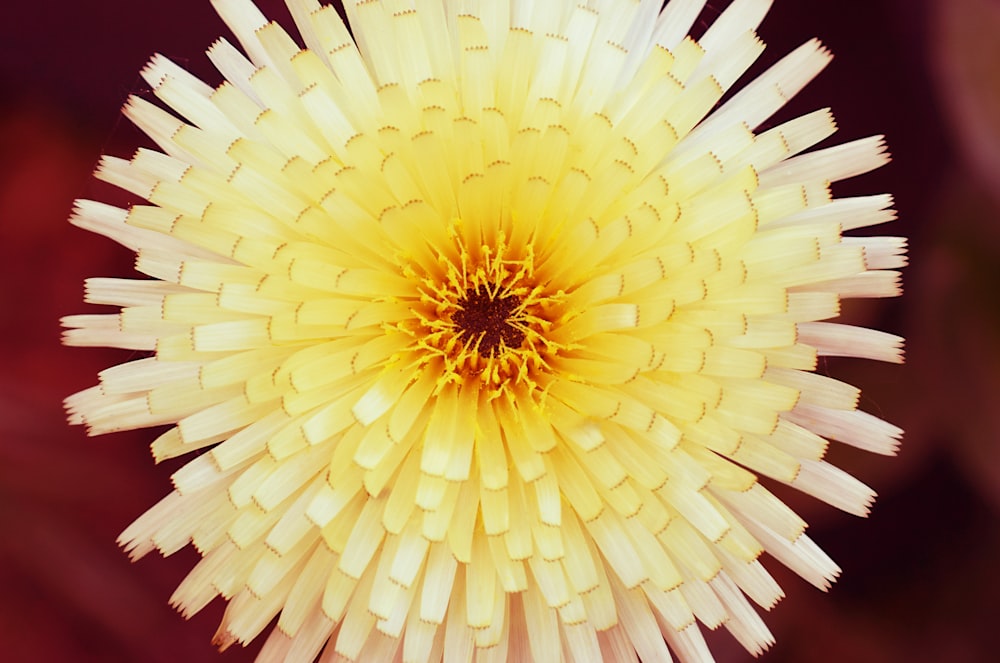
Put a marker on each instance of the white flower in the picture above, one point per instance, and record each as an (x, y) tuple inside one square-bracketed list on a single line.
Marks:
[(486, 324)]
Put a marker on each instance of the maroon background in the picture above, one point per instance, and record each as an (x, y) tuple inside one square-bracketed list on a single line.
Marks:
[(919, 575)]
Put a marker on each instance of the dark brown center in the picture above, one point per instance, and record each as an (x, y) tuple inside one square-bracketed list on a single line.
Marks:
[(484, 317)]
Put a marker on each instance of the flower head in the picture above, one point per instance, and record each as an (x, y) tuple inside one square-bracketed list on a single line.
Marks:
[(486, 321)]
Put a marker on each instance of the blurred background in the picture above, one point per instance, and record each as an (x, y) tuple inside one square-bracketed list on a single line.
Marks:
[(920, 575)]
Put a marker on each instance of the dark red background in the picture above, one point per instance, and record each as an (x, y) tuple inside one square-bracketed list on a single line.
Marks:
[(919, 575)]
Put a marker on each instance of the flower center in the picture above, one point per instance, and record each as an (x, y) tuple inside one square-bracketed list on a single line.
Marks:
[(485, 317), (484, 320)]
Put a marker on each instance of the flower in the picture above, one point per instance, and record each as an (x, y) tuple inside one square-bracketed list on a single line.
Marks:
[(486, 323)]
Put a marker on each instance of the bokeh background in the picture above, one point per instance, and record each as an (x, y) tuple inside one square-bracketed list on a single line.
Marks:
[(920, 575)]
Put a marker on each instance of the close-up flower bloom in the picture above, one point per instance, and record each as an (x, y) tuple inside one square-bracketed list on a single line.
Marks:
[(486, 325)]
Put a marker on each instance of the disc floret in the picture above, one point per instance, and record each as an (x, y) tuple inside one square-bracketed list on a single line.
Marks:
[(489, 318)]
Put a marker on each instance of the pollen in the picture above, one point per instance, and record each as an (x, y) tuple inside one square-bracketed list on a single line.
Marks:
[(489, 318)]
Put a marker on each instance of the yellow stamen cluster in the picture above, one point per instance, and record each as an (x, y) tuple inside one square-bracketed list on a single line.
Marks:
[(487, 317)]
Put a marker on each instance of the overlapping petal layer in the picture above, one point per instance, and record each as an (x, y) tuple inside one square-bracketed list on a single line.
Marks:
[(487, 319)]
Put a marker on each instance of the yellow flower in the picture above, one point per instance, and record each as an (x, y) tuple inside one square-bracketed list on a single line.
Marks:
[(486, 321)]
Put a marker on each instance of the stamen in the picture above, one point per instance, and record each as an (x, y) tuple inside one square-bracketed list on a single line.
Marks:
[(487, 317)]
